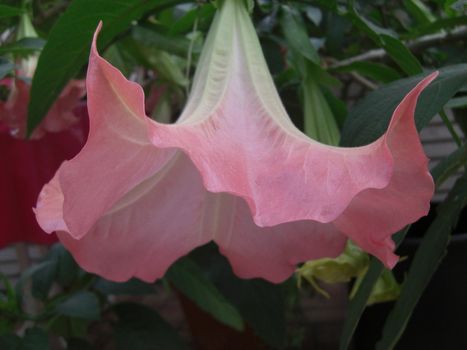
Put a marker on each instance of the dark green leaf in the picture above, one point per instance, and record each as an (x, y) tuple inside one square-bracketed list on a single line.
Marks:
[(457, 102), (425, 263), (9, 341), (81, 305), (5, 67), (67, 269), (296, 35), (9, 11), (186, 22), (68, 45), (79, 344), (42, 276), (261, 304), (418, 10), (188, 278), (34, 339), (141, 328), (370, 117), (360, 300), (151, 37), (401, 55), (449, 165), (24, 46), (131, 287), (375, 71), (373, 30), (439, 25)]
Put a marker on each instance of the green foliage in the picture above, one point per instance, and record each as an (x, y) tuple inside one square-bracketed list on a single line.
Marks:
[(370, 117), (188, 278), (68, 45), (141, 328), (426, 260)]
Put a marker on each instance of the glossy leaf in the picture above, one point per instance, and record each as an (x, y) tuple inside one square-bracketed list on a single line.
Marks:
[(296, 35), (401, 55), (24, 46), (9, 11), (370, 117), (5, 67), (360, 300), (375, 71), (131, 287), (68, 44), (188, 278), (141, 328), (81, 305)]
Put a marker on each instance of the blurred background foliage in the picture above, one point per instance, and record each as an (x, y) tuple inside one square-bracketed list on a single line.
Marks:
[(340, 67)]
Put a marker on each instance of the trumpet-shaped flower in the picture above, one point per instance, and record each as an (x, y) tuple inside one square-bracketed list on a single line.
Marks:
[(233, 170)]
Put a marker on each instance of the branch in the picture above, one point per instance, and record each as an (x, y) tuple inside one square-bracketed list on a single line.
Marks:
[(414, 45)]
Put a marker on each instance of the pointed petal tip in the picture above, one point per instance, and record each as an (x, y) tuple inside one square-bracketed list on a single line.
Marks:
[(94, 38)]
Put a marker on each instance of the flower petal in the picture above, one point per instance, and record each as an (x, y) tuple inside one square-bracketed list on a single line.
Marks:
[(117, 156), (148, 229), (240, 138), (270, 252), (374, 215)]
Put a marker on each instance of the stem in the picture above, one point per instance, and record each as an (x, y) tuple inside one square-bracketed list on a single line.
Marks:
[(450, 127), (414, 45)]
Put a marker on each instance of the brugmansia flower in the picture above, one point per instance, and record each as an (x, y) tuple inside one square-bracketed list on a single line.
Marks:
[(26, 165), (233, 169)]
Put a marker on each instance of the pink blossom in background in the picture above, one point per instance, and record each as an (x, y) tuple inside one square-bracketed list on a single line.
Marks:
[(27, 164), (233, 170)]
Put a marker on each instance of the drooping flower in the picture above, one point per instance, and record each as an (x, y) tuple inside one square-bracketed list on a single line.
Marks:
[(233, 169), (26, 165)]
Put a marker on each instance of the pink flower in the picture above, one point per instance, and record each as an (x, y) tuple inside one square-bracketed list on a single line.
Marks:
[(13, 112), (233, 170), (26, 165)]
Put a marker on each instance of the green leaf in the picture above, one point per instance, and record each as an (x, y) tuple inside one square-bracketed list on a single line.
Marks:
[(373, 30), (188, 278), (80, 305), (5, 67), (425, 263), (457, 102), (419, 11), (24, 46), (296, 35), (131, 287), (67, 47), (375, 71), (9, 11), (141, 328), (150, 36), (320, 123), (261, 304), (360, 300), (369, 119), (67, 269), (9, 341), (34, 339), (42, 276), (449, 165), (388, 40), (357, 305), (439, 25), (186, 22), (401, 55)]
